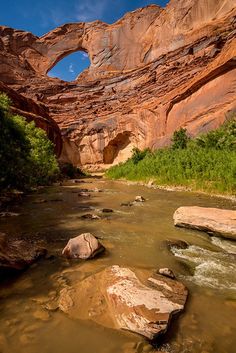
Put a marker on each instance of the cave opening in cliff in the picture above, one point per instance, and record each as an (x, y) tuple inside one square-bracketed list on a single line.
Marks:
[(119, 149), (71, 66)]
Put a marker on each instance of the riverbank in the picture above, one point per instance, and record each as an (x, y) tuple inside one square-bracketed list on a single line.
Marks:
[(206, 163), (152, 185)]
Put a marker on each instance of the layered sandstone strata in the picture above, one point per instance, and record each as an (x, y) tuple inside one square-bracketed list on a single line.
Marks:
[(151, 72), (36, 112)]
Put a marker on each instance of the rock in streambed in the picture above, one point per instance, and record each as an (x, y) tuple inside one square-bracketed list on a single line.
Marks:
[(85, 246), (18, 254), (117, 298), (212, 220)]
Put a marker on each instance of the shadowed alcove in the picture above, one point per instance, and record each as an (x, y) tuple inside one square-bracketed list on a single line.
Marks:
[(119, 149)]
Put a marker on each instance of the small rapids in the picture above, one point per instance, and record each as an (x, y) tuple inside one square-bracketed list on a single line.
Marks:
[(211, 268)]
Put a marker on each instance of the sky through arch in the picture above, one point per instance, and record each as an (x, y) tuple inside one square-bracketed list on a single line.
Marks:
[(71, 66)]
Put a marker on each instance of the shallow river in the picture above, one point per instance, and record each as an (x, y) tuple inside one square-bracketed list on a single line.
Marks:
[(135, 237)]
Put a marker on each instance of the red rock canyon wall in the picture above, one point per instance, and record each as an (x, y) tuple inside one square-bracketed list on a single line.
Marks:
[(153, 71)]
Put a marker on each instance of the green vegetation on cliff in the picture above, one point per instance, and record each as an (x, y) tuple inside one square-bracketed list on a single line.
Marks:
[(26, 154), (206, 163)]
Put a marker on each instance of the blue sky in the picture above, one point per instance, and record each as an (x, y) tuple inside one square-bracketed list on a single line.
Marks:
[(41, 16)]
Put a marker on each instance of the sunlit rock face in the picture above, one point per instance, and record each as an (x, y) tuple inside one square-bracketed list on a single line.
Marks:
[(153, 71)]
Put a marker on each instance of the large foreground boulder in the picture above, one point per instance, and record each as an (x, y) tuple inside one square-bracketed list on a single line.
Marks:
[(85, 246), (18, 254), (116, 298), (212, 220)]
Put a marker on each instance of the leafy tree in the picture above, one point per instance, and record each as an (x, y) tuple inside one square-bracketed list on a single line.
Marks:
[(26, 154), (180, 139)]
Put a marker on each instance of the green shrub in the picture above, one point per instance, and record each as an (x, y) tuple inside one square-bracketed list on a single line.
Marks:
[(138, 155), (26, 153), (180, 139)]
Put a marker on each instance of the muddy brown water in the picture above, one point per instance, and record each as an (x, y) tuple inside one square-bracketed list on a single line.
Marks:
[(134, 236)]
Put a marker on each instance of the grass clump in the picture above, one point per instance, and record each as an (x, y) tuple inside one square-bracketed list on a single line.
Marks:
[(26, 154), (206, 163)]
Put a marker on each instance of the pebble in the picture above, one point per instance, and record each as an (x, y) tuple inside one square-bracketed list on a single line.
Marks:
[(166, 272), (139, 199), (9, 214), (107, 210)]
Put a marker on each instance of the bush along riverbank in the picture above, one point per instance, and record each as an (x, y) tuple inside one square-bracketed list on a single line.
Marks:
[(26, 154), (206, 163)]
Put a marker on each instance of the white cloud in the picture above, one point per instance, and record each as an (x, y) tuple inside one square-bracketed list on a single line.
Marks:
[(71, 69), (90, 10), (84, 56)]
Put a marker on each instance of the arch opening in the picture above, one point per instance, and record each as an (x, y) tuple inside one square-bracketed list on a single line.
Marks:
[(70, 67), (119, 149)]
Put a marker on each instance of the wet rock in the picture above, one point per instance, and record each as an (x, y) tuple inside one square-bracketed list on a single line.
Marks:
[(97, 190), (52, 306), (38, 201), (176, 243), (90, 216), (18, 254), (107, 210), (118, 299), (85, 246), (84, 194), (212, 220), (166, 272), (139, 199), (9, 214)]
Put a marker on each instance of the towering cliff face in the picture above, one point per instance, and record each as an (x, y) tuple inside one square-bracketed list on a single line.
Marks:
[(151, 72)]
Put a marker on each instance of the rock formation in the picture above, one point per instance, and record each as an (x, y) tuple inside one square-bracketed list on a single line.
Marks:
[(151, 72), (36, 112), (116, 298), (18, 254), (212, 220)]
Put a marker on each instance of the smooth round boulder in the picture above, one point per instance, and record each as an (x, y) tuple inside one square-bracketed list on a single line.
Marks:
[(85, 246)]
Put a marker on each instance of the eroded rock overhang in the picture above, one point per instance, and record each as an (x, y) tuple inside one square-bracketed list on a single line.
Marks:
[(151, 72)]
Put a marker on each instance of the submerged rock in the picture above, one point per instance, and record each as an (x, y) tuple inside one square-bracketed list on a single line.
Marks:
[(107, 210), (129, 203), (85, 246), (84, 194), (176, 243), (39, 201), (212, 220), (116, 298), (90, 216), (9, 214), (18, 254)]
